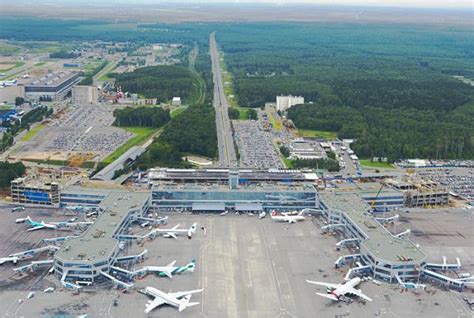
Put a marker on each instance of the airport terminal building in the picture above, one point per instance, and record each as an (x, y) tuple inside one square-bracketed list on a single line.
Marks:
[(384, 255), (87, 257)]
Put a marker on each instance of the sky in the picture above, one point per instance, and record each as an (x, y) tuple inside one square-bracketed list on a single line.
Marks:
[(453, 4), (393, 3)]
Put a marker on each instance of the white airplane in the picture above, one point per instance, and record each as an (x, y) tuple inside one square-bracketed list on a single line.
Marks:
[(167, 270), (174, 231), (8, 83), (287, 218), (336, 291), (13, 259), (78, 208), (179, 300), (52, 225)]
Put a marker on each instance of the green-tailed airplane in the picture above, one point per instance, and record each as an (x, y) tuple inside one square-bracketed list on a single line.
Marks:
[(180, 269)]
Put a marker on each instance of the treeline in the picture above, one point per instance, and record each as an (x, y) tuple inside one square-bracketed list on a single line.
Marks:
[(141, 116), (64, 55), (191, 132), (162, 82), (325, 164), (395, 133), (89, 79), (9, 172), (14, 127)]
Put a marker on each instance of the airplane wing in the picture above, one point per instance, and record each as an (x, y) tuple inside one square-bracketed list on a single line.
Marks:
[(175, 227), (171, 234), (359, 293), (330, 296), (39, 227), (184, 293), (158, 301), (327, 285)]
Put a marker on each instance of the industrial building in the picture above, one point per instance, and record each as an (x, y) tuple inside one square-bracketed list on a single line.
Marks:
[(51, 87), (85, 95), (285, 102), (6, 114), (302, 149)]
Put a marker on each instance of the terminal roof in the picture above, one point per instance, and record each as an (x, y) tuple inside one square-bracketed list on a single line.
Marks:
[(380, 242), (98, 242)]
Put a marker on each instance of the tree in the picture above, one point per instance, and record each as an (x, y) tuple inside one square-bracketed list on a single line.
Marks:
[(19, 101), (252, 114)]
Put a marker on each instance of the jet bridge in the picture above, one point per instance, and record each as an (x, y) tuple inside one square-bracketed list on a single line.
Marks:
[(32, 266)]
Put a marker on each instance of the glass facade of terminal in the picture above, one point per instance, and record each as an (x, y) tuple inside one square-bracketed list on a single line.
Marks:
[(273, 199)]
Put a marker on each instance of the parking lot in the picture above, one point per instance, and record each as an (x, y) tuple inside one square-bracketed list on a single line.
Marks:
[(255, 145), (80, 129), (248, 268)]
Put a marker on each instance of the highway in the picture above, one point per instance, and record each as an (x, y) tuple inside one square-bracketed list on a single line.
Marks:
[(227, 156)]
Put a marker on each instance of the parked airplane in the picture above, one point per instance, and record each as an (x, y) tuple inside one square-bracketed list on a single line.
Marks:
[(287, 218), (78, 208), (13, 259), (336, 291), (180, 300), (8, 83), (52, 225), (174, 231), (178, 269)]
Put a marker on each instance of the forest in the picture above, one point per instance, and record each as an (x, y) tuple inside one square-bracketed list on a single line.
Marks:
[(191, 132), (141, 116), (14, 127), (162, 82), (391, 86), (9, 172)]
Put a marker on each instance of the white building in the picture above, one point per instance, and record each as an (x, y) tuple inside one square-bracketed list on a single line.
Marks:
[(176, 101), (285, 102), (84, 95)]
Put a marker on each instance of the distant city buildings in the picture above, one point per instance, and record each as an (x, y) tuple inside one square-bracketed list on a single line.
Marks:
[(285, 102), (84, 95)]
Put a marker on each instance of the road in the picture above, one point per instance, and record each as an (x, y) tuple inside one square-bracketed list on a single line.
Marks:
[(227, 156)]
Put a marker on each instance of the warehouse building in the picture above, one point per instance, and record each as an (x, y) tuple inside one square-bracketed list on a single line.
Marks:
[(51, 87)]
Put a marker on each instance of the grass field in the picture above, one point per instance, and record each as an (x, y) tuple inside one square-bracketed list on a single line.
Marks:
[(141, 135), (242, 112), (175, 112), (371, 164), (6, 48), (317, 134), (6, 66), (32, 132), (40, 64)]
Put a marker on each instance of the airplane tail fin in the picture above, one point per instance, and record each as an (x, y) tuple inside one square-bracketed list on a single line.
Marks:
[(184, 303), (330, 296), (191, 266)]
